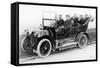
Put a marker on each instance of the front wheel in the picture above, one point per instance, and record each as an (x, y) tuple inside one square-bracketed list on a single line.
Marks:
[(44, 48), (25, 44), (82, 41)]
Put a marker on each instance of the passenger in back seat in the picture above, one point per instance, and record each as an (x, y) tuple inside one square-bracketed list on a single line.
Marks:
[(81, 20)]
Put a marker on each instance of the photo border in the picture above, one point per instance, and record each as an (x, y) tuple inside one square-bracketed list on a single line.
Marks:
[(15, 49)]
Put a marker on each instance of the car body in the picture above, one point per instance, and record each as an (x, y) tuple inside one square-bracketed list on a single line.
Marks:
[(47, 39)]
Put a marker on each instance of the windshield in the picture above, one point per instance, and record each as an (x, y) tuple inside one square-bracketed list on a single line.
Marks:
[(49, 22), (49, 18)]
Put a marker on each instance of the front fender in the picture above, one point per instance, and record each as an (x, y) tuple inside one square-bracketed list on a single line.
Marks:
[(34, 37)]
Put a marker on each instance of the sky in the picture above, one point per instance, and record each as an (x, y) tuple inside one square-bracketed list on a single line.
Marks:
[(30, 16)]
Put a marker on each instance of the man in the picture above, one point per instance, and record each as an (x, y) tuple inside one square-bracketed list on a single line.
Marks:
[(68, 21), (81, 20), (75, 18), (86, 17), (83, 23), (59, 22)]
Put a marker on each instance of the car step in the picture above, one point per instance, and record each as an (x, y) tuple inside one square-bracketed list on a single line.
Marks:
[(70, 44), (66, 47), (67, 40)]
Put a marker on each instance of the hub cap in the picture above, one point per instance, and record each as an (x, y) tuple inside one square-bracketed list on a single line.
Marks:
[(82, 41), (45, 47)]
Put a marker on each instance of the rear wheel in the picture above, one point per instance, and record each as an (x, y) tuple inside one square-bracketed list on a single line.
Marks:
[(44, 48), (82, 40)]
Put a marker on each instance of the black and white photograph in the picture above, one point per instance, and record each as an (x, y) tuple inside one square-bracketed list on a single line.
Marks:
[(51, 33)]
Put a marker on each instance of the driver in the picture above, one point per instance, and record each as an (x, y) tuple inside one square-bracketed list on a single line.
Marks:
[(59, 23)]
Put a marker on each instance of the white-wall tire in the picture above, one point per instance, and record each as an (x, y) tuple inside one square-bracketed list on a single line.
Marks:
[(22, 42), (24, 45), (40, 45)]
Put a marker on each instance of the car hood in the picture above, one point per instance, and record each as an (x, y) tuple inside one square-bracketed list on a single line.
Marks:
[(41, 33)]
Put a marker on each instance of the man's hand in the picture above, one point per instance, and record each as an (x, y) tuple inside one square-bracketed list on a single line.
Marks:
[(62, 26), (59, 28)]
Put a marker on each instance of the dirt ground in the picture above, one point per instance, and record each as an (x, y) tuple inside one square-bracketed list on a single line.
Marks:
[(73, 54)]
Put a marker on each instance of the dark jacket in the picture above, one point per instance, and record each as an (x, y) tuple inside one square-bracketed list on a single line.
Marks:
[(81, 21), (67, 23), (86, 19), (59, 23), (75, 20)]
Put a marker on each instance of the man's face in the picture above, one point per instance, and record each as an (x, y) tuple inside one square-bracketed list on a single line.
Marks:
[(81, 16), (60, 17), (75, 15), (67, 17), (86, 16)]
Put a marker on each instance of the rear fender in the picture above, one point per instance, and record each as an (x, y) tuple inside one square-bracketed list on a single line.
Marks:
[(79, 33)]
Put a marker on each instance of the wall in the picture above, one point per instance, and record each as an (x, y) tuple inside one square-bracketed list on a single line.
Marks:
[(30, 16)]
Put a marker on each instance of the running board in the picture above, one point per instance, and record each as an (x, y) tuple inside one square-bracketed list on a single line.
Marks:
[(71, 46), (67, 44)]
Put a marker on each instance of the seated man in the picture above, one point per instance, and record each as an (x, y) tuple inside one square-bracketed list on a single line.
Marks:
[(75, 20), (59, 23), (68, 22), (83, 23), (86, 19), (81, 20)]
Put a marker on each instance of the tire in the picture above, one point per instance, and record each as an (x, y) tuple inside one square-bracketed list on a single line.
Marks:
[(22, 42), (82, 40), (44, 48), (25, 45)]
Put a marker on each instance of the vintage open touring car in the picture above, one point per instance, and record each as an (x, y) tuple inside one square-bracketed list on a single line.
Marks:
[(48, 39)]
